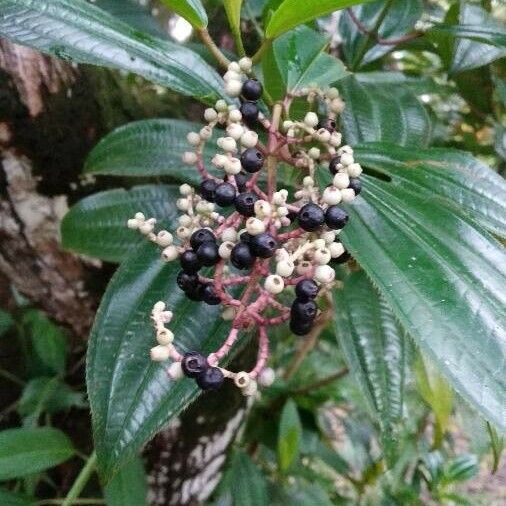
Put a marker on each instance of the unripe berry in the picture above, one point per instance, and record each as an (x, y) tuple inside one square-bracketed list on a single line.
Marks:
[(235, 115), (189, 157), (175, 371), (341, 180), (193, 138), (205, 133), (285, 268), (324, 274), (210, 114), (354, 170), (235, 131), (266, 377), (254, 226), (249, 139), (170, 253), (322, 256), (164, 337), (233, 166), (159, 353), (331, 196), (262, 208), (229, 234), (311, 119), (225, 249), (234, 66), (336, 249), (245, 64), (233, 88), (274, 284), (133, 224), (227, 144), (348, 195)]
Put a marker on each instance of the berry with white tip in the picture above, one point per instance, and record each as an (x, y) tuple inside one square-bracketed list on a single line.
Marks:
[(341, 180), (311, 119), (254, 226), (249, 139), (170, 253), (193, 364), (324, 274), (331, 196), (274, 284), (159, 353)]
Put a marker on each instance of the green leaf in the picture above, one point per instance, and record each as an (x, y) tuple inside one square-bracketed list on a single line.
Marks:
[(497, 445), (148, 148), (401, 18), (487, 34), (6, 322), (192, 10), (289, 436), (131, 397), (301, 60), (461, 468), (97, 225), (454, 175), (297, 12), (29, 451), (79, 31), (245, 482), (8, 498), (233, 10), (373, 344), (383, 112), (444, 279), (129, 486), (49, 341)]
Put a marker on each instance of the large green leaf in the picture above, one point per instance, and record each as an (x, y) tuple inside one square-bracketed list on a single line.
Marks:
[(455, 175), (129, 486), (383, 112), (28, 451), (8, 498), (151, 147), (132, 397), (97, 225), (289, 436), (488, 34), (79, 31), (300, 60), (444, 279), (374, 347), (192, 10), (297, 12), (401, 18)]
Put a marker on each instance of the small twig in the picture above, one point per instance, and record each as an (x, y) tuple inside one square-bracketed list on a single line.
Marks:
[(80, 482), (213, 48)]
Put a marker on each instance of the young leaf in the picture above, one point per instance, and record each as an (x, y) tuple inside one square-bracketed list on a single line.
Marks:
[(233, 10), (8, 498), (454, 175), (497, 445), (131, 397), (129, 486), (444, 279), (289, 436), (97, 225), (28, 451), (151, 147), (383, 112), (192, 10), (6, 322), (374, 347), (297, 12), (79, 31)]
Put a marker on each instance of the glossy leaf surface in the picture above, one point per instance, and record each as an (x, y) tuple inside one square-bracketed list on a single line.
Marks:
[(192, 10)]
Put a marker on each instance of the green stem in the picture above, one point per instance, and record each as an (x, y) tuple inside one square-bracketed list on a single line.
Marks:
[(371, 34), (80, 482), (77, 502), (266, 44), (213, 48), (11, 377)]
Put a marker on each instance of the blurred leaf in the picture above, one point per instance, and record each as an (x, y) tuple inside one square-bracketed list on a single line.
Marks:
[(497, 445), (491, 33), (8, 498), (304, 493), (151, 147), (6, 322), (418, 84), (401, 18), (233, 10), (289, 436), (374, 347), (297, 12), (463, 181), (48, 340), (444, 279), (132, 397), (128, 487), (77, 30), (383, 112), (500, 141), (461, 468), (97, 225), (28, 451), (192, 10)]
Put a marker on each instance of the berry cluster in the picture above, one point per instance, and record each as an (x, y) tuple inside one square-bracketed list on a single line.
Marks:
[(262, 240)]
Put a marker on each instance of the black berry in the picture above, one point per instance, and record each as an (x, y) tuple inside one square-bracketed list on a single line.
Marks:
[(251, 89), (342, 259), (189, 261), (245, 237), (263, 245), (304, 311), (306, 289), (224, 194), (201, 236), (328, 123), (334, 162), (186, 281), (336, 218), (207, 189), (195, 292), (241, 179), (241, 256), (252, 160), (194, 364), (249, 111), (209, 295), (355, 185), (207, 253), (245, 203), (211, 379), (300, 328), (311, 217)]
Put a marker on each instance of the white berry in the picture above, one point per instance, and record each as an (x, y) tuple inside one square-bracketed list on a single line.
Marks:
[(274, 284)]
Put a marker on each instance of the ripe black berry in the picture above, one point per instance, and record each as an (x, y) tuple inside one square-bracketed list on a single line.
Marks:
[(194, 364), (224, 194), (252, 160), (245, 203), (311, 217), (207, 189), (251, 89), (304, 311), (201, 236), (263, 245), (355, 185), (334, 162), (241, 256), (300, 328), (245, 237), (241, 179), (186, 281), (195, 292), (336, 218), (189, 261), (209, 295), (249, 111), (328, 123), (207, 253), (211, 379), (306, 289)]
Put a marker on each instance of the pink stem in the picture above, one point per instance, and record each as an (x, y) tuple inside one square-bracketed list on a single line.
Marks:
[(214, 358), (263, 353)]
